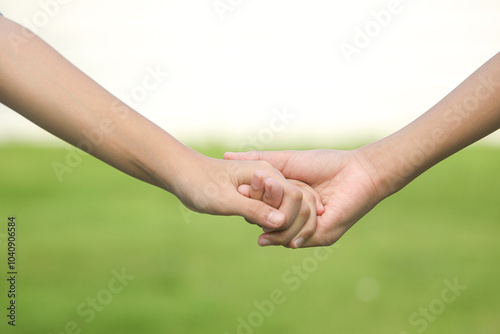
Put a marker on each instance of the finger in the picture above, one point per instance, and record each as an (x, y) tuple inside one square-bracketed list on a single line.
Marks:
[(284, 237), (273, 193), (290, 206), (257, 185), (282, 195), (257, 212), (292, 196), (276, 158), (279, 159), (252, 155), (244, 189), (252, 185), (306, 232), (303, 228), (330, 227), (320, 208)]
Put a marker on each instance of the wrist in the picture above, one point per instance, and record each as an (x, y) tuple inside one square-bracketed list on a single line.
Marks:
[(176, 167), (164, 165), (385, 167)]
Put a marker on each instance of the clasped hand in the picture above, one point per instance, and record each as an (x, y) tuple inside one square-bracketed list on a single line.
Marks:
[(338, 188)]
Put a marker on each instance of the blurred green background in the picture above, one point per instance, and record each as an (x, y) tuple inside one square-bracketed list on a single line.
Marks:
[(200, 274)]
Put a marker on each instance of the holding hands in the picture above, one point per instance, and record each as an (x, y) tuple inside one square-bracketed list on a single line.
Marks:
[(44, 87), (351, 183), (299, 198), (340, 180), (211, 186)]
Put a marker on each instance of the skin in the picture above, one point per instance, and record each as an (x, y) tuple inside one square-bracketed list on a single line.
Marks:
[(41, 85), (351, 183), (265, 188)]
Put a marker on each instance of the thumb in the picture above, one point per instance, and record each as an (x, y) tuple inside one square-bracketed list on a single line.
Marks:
[(258, 212), (277, 159)]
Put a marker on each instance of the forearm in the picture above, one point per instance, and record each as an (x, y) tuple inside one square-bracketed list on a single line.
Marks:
[(44, 87), (467, 114)]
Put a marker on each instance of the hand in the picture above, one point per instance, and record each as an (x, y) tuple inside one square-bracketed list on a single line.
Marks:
[(268, 190), (343, 179), (211, 186)]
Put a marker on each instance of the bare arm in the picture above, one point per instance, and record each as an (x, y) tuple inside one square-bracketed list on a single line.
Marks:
[(469, 113), (351, 183), (44, 87)]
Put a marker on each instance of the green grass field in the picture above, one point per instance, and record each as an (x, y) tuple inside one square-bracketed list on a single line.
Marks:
[(192, 273)]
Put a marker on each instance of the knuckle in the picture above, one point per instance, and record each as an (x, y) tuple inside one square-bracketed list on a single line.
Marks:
[(307, 232), (253, 211), (305, 210), (296, 195), (264, 165), (253, 154), (309, 197), (256, 194), (303, 215), (282, 239)]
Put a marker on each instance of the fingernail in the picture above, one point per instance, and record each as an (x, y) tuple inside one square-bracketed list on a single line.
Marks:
[(321, 209), (256, 182), (298, 242), (264, 242), (276, 218)]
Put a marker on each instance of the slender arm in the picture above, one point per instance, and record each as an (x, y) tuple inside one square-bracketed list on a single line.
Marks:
[(41, 85), (44, 87), (469, 113), (351, 183)]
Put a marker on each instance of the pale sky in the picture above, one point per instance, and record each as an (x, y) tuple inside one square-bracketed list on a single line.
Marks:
[(231, 68)]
